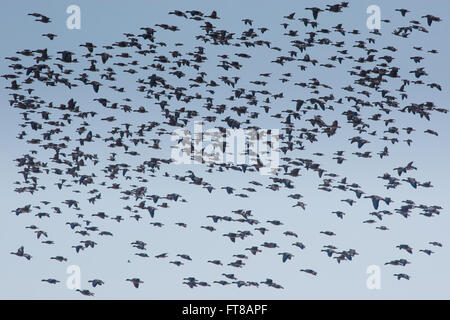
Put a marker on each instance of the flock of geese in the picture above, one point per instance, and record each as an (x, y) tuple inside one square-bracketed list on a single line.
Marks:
[(71, 156)]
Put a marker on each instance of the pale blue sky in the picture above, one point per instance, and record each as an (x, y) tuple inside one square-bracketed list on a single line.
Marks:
[(104, 22)]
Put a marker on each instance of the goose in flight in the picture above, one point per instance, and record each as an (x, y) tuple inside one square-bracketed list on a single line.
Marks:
[(375, 200), (184, 256), (403, 12), (310, 271), (96, 282), (315, 11), (40, 17), (402, 276), (85, 292), (299, 244), (254, 250), (51, 281), (399, 262), (435, 243), (405, 247), (135, 281), (285, 256), (21, 253), (269, 282), (430, 18)]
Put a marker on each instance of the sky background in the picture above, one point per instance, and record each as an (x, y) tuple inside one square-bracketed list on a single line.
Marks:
[(104, 22)]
